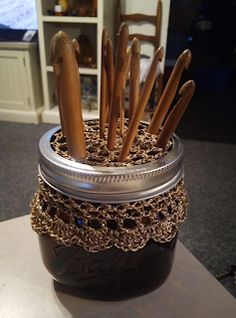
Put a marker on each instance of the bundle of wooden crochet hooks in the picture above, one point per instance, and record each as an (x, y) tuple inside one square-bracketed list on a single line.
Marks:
[(114, 73), (126, 60), (163, 107)]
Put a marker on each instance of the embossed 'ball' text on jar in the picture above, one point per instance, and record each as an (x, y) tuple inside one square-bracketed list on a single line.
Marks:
[(110, 232)]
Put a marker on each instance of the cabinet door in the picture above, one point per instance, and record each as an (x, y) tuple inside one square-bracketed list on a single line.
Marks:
[(13, 80)]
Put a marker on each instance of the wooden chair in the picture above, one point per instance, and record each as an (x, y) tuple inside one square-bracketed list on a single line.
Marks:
[(140, 20)]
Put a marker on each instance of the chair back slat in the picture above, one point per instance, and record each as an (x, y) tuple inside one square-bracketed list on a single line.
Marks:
[(138, 17)]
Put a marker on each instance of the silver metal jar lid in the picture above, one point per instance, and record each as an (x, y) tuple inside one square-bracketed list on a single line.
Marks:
[(109, 184)]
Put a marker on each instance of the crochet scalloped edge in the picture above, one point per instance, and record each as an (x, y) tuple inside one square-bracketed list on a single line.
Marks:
[(136, 223)]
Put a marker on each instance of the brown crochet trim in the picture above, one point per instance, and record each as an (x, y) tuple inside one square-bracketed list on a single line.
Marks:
[(96, 226)]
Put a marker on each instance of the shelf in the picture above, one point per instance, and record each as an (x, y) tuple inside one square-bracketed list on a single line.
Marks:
[(73, 30), (52, 115), (25, 46), (54, 19), (82, 70)]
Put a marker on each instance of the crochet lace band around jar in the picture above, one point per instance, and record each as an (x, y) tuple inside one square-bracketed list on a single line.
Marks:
[(99, 226)]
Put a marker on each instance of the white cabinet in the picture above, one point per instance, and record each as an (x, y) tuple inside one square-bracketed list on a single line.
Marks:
[(20, 83), (90, 26)]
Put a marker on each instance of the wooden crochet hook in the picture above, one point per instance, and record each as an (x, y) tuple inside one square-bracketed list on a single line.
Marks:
[(169, 92), (127, 65), (118, 84), (145, 94), (186, 93), (54, 47), (104, 86), (70, 98), (110, 73), (122, 99), (134, 77)]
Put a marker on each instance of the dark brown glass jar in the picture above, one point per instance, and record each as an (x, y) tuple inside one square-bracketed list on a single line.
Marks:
[(110, 233), (111, 274)]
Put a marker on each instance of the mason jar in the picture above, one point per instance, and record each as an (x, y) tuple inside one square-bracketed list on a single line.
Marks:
[(108, 232)]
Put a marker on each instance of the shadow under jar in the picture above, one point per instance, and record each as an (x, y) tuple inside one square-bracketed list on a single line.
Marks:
[(108, 232)]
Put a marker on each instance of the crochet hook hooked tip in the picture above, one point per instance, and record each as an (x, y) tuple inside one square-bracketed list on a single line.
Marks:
[(186, 56), (76, 45), (160, 51), (187, 88), (135, 46)]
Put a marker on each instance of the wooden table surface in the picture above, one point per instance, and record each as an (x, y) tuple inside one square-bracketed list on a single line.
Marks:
[(28, 291)]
